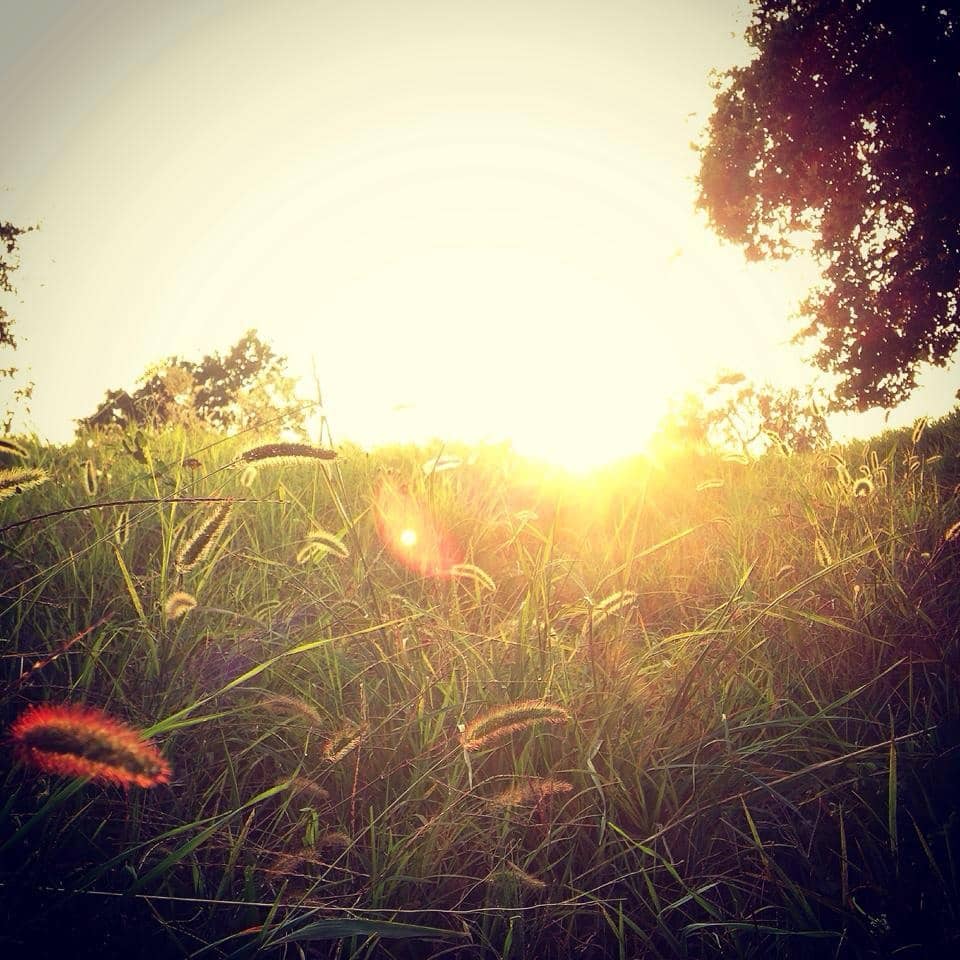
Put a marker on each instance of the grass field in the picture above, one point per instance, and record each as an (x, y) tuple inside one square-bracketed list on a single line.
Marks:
[(422, 707)]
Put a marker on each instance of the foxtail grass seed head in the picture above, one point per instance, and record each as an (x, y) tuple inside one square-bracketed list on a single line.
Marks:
[(178, 604), (952, 532), (709, 485), (822, 553), (90, 478), (918, 429), (440, 464), (308, 553), (740, 458), (121, 533), (292, 706), (195, 550), (615, 602), (863, 487), (249, 475), (12, 448), (344, 741), (78, 741), (500, 722), (469, 571), (278, 452), (328, 543), (192, 463), (17, 479), (531, 791), (307, 788)]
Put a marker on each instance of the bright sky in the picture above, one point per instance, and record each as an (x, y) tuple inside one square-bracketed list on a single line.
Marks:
[(478, 211)]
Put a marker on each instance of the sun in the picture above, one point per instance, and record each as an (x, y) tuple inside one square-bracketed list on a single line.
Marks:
[(408, 537)]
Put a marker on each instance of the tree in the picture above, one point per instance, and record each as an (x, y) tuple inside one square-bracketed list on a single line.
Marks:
[(735, 414), (9, 261), (247, 386), (842, 134), (760, 416)]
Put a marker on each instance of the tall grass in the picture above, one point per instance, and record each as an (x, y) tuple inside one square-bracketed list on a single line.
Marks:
[(755, 666)]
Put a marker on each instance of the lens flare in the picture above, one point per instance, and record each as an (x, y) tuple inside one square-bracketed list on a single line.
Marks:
[(412, 534)]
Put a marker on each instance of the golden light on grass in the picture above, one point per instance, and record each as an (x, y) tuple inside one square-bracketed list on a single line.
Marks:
[(321, 544), (344, 741), (90, 478), (531, 791), (12, 448), (78, 741), (291, 706), (307, 553), (470, 571), (18, 479), (411, 532), (918, 429), (821, 552), (121, 533), (328, 543), (440, 464), (196, 548), (286, 452), (178, 604), (611, 605), (496, 724)]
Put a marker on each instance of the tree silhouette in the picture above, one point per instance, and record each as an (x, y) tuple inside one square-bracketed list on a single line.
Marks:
[(247, 385), (9, 239), (737, 415), (842, 133)]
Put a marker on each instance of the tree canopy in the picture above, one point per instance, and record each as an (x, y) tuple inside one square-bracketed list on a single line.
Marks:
[(247, 385), (842, 134)]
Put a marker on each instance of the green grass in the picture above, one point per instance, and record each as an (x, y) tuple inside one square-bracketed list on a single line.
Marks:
[(760, 674)]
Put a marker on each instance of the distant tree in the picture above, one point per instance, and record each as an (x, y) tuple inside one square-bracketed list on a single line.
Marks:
[(9, 261), (843, 133), (735, 414), (246, 386), (685, 426)]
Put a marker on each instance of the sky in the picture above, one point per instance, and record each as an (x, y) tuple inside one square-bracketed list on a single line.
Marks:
[(474, 220)]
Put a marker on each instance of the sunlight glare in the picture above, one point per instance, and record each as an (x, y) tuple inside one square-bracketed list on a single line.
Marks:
[(410, 531)]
